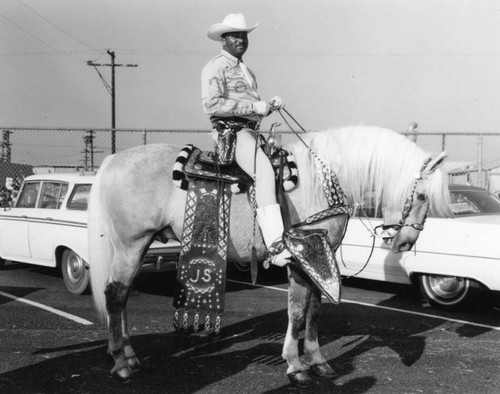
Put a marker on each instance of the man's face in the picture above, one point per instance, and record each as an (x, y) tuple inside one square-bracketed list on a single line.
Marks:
[(235, 43)]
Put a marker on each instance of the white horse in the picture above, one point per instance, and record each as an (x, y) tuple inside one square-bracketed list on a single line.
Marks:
[(134, 199)]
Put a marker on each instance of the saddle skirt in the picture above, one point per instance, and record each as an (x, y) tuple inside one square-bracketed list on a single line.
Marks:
[(204, 165)]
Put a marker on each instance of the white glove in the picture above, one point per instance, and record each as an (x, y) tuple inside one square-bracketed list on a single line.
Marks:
[(261, 108), (276, 103)]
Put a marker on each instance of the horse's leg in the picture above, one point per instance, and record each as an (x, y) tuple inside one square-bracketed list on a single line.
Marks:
[(123, 271), (132, 359), (116, 298), (312, 353), (298, 300)]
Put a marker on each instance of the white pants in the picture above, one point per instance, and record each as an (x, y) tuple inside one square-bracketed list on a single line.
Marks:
[(265, 191)]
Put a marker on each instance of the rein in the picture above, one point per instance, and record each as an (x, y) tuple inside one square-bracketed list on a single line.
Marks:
[(331, 187)]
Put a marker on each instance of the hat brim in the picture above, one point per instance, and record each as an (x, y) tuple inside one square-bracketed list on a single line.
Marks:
[(216, 31)]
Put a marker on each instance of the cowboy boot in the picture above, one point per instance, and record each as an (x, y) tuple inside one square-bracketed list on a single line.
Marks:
[(271, 226)]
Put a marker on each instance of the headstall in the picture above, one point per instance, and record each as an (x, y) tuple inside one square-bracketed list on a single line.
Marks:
[(388, 231)]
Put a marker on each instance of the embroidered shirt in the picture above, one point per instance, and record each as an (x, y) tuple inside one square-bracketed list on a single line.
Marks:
[(228, 88)]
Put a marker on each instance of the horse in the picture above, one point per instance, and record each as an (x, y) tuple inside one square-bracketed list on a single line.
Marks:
[(134, 200)]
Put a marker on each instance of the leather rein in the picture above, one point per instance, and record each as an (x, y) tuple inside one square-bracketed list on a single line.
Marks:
[(331, 187)]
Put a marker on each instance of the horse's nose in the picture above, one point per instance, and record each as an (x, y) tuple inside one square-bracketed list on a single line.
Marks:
[(402, 247)]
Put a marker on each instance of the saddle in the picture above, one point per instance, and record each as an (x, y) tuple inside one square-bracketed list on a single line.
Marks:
[(193, 163), (205, 165)]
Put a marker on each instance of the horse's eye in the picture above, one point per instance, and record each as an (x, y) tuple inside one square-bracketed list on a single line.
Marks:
[(421, 196)]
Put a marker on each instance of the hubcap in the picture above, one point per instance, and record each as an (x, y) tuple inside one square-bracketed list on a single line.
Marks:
[(75, 268), (446, 290)]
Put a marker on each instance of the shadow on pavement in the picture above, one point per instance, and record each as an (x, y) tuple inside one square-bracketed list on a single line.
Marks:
[(244, 358)]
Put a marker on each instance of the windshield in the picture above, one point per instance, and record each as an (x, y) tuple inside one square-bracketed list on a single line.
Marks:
[(474, 202)]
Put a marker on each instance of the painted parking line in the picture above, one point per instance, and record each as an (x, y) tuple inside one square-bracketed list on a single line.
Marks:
[(388, 308), (48, 308)]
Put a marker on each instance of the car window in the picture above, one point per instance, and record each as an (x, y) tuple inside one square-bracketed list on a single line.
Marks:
[(79, 198), (52, 195), (469, 202), (28, 196)]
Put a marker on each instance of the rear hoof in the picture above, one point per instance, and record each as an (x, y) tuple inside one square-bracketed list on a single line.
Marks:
[(122, 373), (323, 370), (300, 379)]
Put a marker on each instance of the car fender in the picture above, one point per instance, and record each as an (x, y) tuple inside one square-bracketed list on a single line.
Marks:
[(480, 269), (76, 239)]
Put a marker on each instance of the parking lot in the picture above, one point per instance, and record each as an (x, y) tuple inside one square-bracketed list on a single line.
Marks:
[(381, 339)]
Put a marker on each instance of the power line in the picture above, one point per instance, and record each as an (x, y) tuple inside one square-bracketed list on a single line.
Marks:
[(58, 52), (57, 27), (38, 39)]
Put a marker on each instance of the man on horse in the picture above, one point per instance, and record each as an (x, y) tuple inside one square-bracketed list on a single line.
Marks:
[(230, 98)]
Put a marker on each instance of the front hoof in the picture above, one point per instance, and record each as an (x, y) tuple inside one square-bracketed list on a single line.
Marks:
[(122, 373), (300, 379), (134, 363), (323, 370)]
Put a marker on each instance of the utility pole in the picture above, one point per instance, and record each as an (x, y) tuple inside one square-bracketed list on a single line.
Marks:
[(412, 128), (112, 91), (89, 151), (5, 157)]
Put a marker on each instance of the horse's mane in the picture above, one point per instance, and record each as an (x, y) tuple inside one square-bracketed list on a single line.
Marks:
[(372, 159)]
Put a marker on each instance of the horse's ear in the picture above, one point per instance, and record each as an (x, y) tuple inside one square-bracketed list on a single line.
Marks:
[(434, 164)]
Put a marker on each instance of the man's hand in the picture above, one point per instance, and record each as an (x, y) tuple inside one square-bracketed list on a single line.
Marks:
[(276, 103), (262, 108)]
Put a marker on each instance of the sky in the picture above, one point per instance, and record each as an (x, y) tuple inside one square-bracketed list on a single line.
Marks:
[(334, 62)]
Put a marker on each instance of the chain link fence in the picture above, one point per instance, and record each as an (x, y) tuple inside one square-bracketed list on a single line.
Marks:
[(473, 157)]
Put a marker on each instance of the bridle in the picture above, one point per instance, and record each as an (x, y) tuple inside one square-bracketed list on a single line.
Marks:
[(388, 231)]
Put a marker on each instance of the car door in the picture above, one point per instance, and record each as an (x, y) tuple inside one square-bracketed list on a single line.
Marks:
[(14, 224), (366, 256), (41, 228)]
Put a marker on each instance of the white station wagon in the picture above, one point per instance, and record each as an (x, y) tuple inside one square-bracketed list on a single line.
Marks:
[(47, 226)]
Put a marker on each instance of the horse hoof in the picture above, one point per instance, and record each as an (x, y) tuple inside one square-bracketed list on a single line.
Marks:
[(123, 373), (134, 363), (300, 379), (323, 370)]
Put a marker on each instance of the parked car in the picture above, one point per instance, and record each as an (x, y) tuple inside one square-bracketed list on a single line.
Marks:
[(454, 260), (47, 226)]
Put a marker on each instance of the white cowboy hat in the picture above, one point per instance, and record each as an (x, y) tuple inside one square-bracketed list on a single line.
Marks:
[(232, 22)]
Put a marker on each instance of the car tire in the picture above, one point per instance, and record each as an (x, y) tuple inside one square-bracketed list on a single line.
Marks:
[(450, 292), (75, 272)]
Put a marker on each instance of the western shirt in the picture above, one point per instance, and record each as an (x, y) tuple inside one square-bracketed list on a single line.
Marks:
[(229, 88)]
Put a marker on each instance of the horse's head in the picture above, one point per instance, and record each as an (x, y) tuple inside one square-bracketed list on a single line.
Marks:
[(415, 209)]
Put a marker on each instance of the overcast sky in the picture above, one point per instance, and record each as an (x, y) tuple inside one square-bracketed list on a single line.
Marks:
[(334, 62)]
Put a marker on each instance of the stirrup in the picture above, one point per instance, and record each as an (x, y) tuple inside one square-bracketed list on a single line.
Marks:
[(275, 250)]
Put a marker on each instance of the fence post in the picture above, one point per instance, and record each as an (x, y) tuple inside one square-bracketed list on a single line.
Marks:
[(480, 160)]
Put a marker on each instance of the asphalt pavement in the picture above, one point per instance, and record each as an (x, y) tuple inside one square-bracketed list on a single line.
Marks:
[(381, 339)]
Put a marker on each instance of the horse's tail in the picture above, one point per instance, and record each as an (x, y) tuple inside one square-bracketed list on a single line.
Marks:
[(100, 246)]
